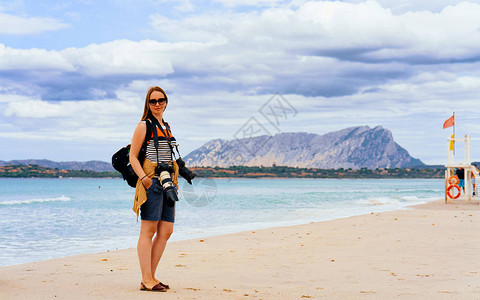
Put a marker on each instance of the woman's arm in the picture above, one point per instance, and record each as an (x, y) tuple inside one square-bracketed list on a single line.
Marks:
[(137, 142)]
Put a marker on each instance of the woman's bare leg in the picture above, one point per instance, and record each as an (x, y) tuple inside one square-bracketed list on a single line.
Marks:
[(164, 231), (144, 251)]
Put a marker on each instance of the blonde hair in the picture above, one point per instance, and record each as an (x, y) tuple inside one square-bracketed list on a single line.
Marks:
[(147, 113)]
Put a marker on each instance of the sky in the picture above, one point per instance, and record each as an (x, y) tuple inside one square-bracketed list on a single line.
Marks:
[(74, 74)]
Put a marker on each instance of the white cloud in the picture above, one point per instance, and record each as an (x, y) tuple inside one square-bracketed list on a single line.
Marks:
[(83, 73), (85, 120), (32, 59), (9, 98), (121, 57), (451, 34), (36, 108), (15, 25), (371, 31)]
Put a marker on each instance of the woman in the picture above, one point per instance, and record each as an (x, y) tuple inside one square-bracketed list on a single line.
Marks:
[(156, 216)]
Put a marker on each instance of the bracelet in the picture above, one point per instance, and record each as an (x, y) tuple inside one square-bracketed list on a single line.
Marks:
[(144, 177)]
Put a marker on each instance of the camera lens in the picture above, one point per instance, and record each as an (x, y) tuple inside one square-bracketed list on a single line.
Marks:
[(169, 188)]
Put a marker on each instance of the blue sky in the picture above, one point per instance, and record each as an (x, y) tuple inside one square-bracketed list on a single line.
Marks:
[(73, 75)]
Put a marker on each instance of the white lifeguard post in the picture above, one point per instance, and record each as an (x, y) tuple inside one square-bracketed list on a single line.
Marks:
[(467, 166)]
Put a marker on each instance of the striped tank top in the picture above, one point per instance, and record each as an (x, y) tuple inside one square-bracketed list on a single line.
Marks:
[(164, 152)]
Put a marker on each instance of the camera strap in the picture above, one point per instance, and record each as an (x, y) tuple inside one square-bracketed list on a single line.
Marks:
[(155, 138), (165, 135)]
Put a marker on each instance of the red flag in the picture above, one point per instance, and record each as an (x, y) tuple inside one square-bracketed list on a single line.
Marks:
[(449, 122)]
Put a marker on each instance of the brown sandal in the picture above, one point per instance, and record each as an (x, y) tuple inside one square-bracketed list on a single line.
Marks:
[(166, 286), (156, 288)]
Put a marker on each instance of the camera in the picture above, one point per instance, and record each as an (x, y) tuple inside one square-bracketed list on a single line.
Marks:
[(184, 171), (163, 171)]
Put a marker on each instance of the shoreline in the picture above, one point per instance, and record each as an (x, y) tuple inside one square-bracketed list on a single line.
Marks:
[(428, 251), (235, 230)]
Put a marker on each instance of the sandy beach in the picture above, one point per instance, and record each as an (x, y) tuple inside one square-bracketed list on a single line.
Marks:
[(431, 251)]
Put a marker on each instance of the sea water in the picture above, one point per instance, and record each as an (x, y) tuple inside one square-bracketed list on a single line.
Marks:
[(48, 218)]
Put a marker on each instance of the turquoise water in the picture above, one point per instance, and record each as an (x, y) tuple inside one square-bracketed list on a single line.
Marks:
[(48, 218)]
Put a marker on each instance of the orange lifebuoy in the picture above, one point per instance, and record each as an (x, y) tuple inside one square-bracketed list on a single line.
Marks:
[(453, 180), (450, 188)]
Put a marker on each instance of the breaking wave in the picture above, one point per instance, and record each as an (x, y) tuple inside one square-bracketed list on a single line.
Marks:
[(36, 200), (395, 200)]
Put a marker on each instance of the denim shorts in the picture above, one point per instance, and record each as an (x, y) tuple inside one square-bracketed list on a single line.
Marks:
[(156, 208)]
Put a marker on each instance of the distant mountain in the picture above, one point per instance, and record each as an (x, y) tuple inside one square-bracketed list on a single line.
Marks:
[(92, 165), (354, 147)]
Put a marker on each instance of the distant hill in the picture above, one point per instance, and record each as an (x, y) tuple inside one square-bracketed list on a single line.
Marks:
[(92, 165), (354, 147)]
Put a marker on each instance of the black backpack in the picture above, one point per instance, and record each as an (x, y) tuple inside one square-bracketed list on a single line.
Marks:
[(121, 160)]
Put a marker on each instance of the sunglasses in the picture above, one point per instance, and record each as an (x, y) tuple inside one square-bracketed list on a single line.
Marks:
[(155, 101)]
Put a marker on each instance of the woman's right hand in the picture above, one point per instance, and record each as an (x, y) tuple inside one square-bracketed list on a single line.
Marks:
[(147, 182)]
